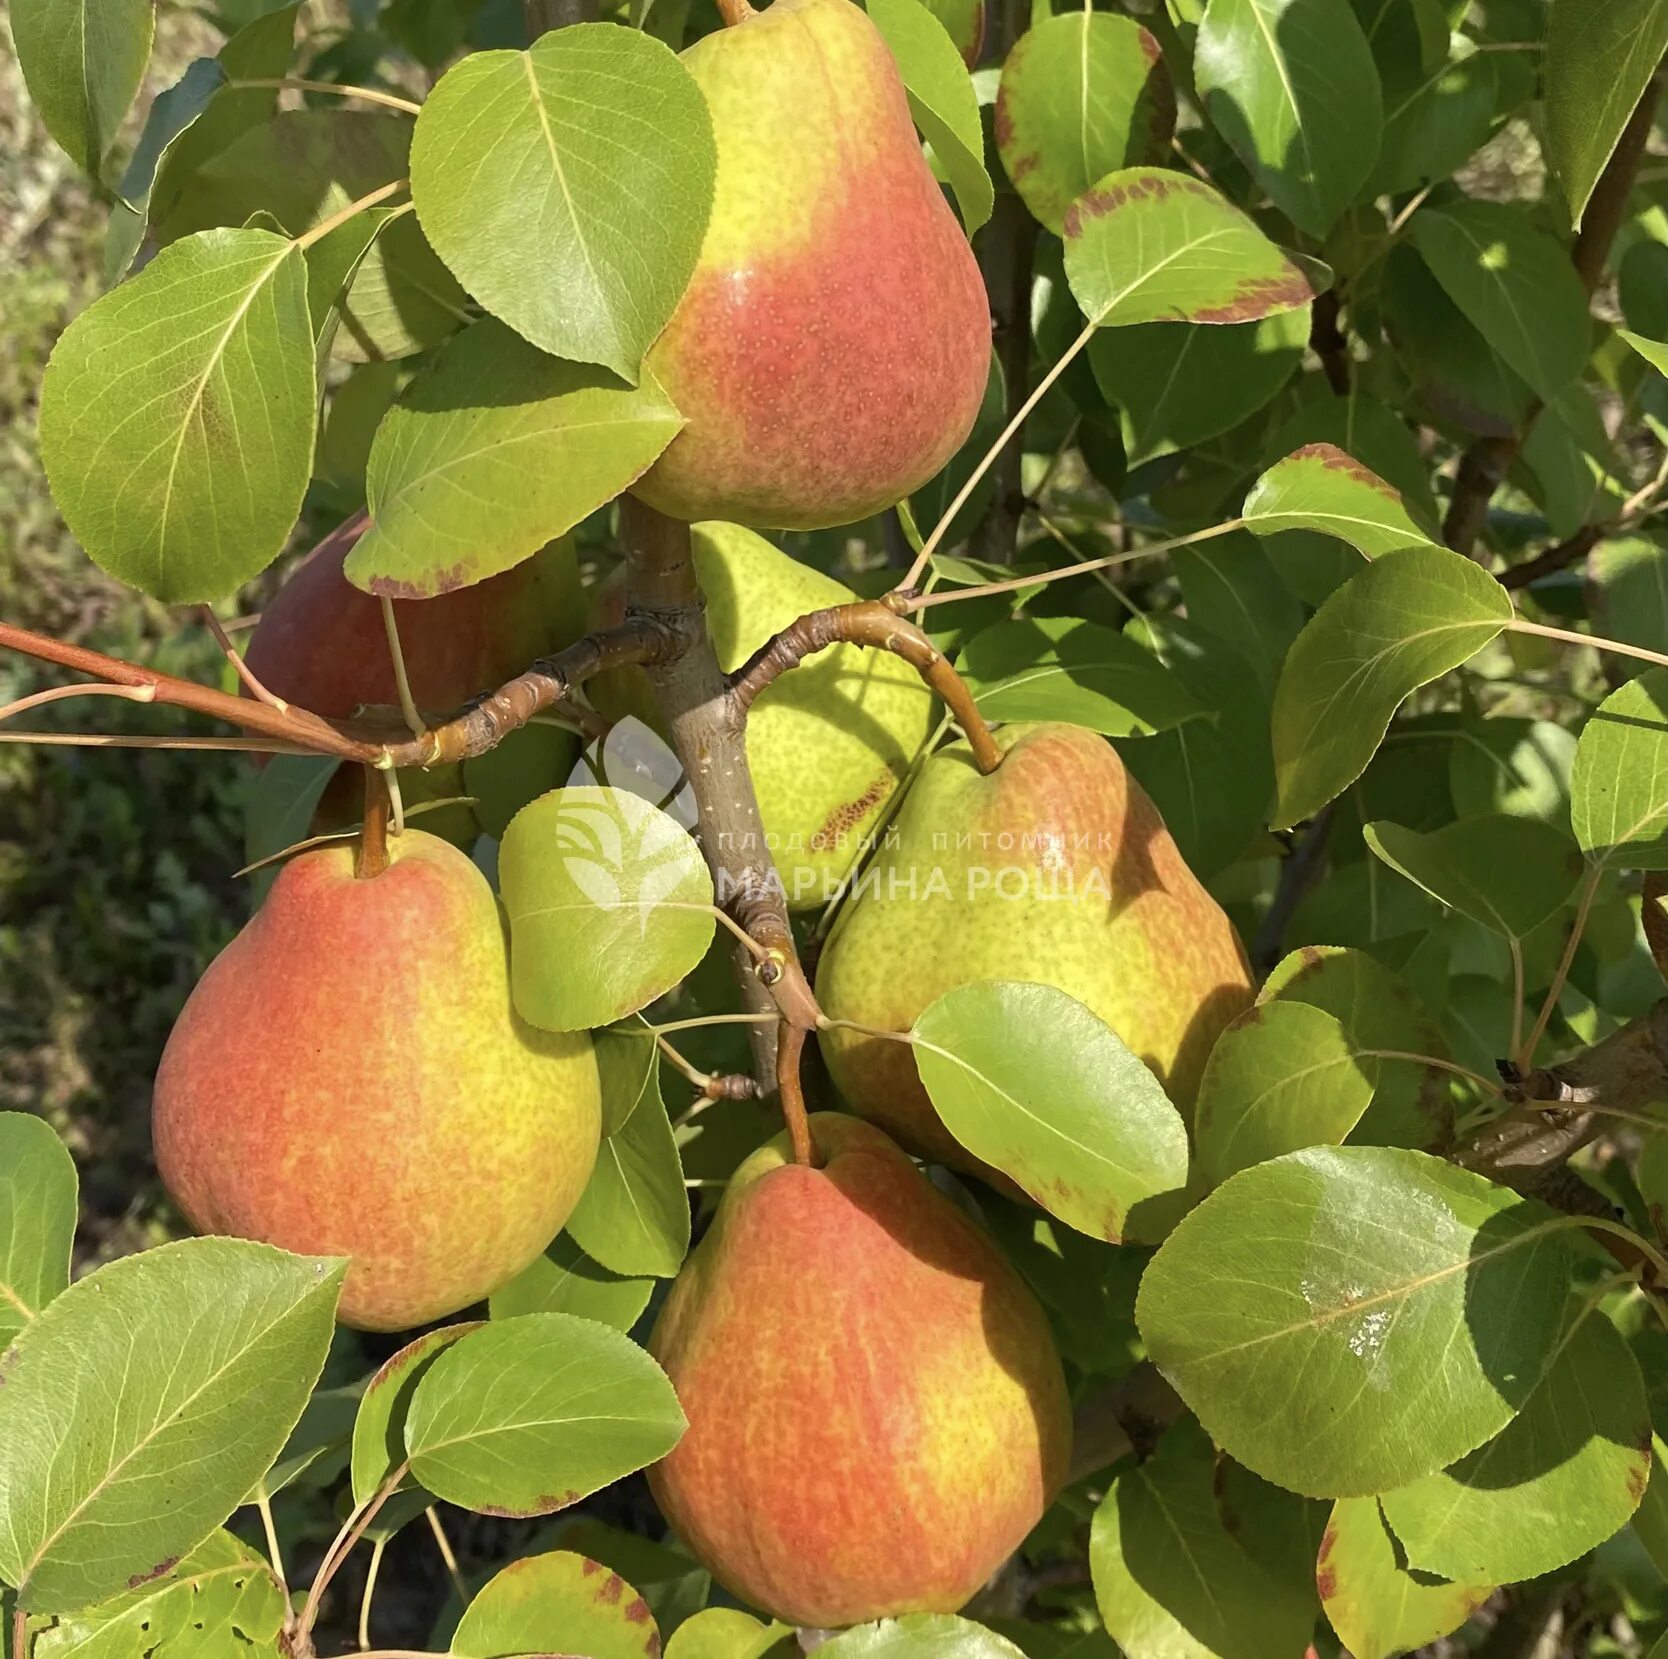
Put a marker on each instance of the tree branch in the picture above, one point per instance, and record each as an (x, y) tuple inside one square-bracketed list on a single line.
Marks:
[(708, 735), (1483, 467), (1560, 557), (870, 622), (1328, 341)]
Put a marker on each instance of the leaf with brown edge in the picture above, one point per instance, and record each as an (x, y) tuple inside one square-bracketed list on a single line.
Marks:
[(1148, 245), (561, 1600), (1319, 487), (379, 1427)]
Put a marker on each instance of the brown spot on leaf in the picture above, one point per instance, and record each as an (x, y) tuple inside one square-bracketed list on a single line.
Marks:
[(1639, 1473), (1149, 47), (546, 1503), (1152, 186), (1002, 118), (442, 581), (637, 1612), (613, 1587), (1260, 297), (1336, 460), (160, 1570)]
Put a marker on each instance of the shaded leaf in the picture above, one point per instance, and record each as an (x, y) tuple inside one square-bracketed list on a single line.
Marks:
[(379, 1425), (565, 1280), (82, 62), (561, 1603), (37, 1219), (1619, 783)]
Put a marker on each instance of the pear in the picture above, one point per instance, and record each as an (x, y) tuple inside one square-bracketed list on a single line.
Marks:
[(831, 350), (877, 1414), (322, 645), (1055, 869), (828, 743), (350, 1079)]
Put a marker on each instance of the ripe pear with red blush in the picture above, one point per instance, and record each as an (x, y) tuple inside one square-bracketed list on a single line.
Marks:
[(349, 1078), (831, 350), (877, 1413), (1055, 869)]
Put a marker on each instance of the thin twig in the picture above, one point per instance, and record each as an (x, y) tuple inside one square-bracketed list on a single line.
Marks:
[(790, 1049), (274, 1554), (235, 658), (1598, 641), (351, 211), (372, 1569), (1303, 866), (1524, 1057), (402, 681), (349, 1534), (58, 694), (369, 94), (447, 1554)]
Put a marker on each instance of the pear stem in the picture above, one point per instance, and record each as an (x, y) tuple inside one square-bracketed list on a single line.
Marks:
[(736, 11), (790, 1049), (869, 622), (372, 857)]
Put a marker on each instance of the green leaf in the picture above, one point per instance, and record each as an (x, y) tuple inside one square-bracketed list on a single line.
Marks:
[(179, 457), (1564, 1476), (1321, 488), (1377, 1607), (379, 1425), (1212, 779), (217, 1343), (492, 452), (610, 905), (1600, 55), (1337, 1349), (402, 300), (1374, 434), (1509, 874), (724, 1633), (565, 1280), (1177, 384), (1283, 1076), (560, 1603), (1433, 125), (1058, 668), (1032, 1083), (1629, 592), (520, 163), (1411, 1104), (1172, 1582), (1405, 619), (525, 1416), (319, 1445), (1655, 352), (1232, 592), (633, 1216), (920, 1636), (82, 62), (1522, 767), (1619, 783), (1515, 285), (1291, 85), (1146, 245), (221, 1599), (941, 100), (1081, 95), (37, 1219)]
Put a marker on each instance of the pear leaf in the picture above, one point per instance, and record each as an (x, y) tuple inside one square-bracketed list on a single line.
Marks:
[(1399, 622), (1332, 1347), (1081, 95), (379, 1425), (180, 459), (519, 166), (1372, 1601), (565, 1280), (1291, 85), (37, 1219), (527, 1415), (82, 62), (1600, 55), (610, 905), (491, 453), (1058, 668), (1564, 1475), (1321, 488), (633, 1216), (724, 1633), (1509, 874), (1515, 285), (1147, 245), (1169, 1577), (1034, 1084), (221, 1599), (941, 100), (921, 1636), (1281, 1077), (218, 1343), (560, 1602), (1619, 783), (1655, 352)]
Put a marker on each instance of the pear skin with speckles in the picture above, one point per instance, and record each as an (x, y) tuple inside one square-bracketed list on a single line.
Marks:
[(1056, 869), (831, 350), (349, 1078), (827, 744), (877, 1414)]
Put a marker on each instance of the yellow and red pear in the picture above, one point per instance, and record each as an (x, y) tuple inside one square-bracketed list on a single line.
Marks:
[(1057, 869), (349, 1079), (877, 1414), (832, 347)]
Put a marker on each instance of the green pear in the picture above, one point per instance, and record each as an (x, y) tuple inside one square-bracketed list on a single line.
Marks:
[(826, 743), (1055, 869), (877, 1414), (349, 1078), (831, 350)]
